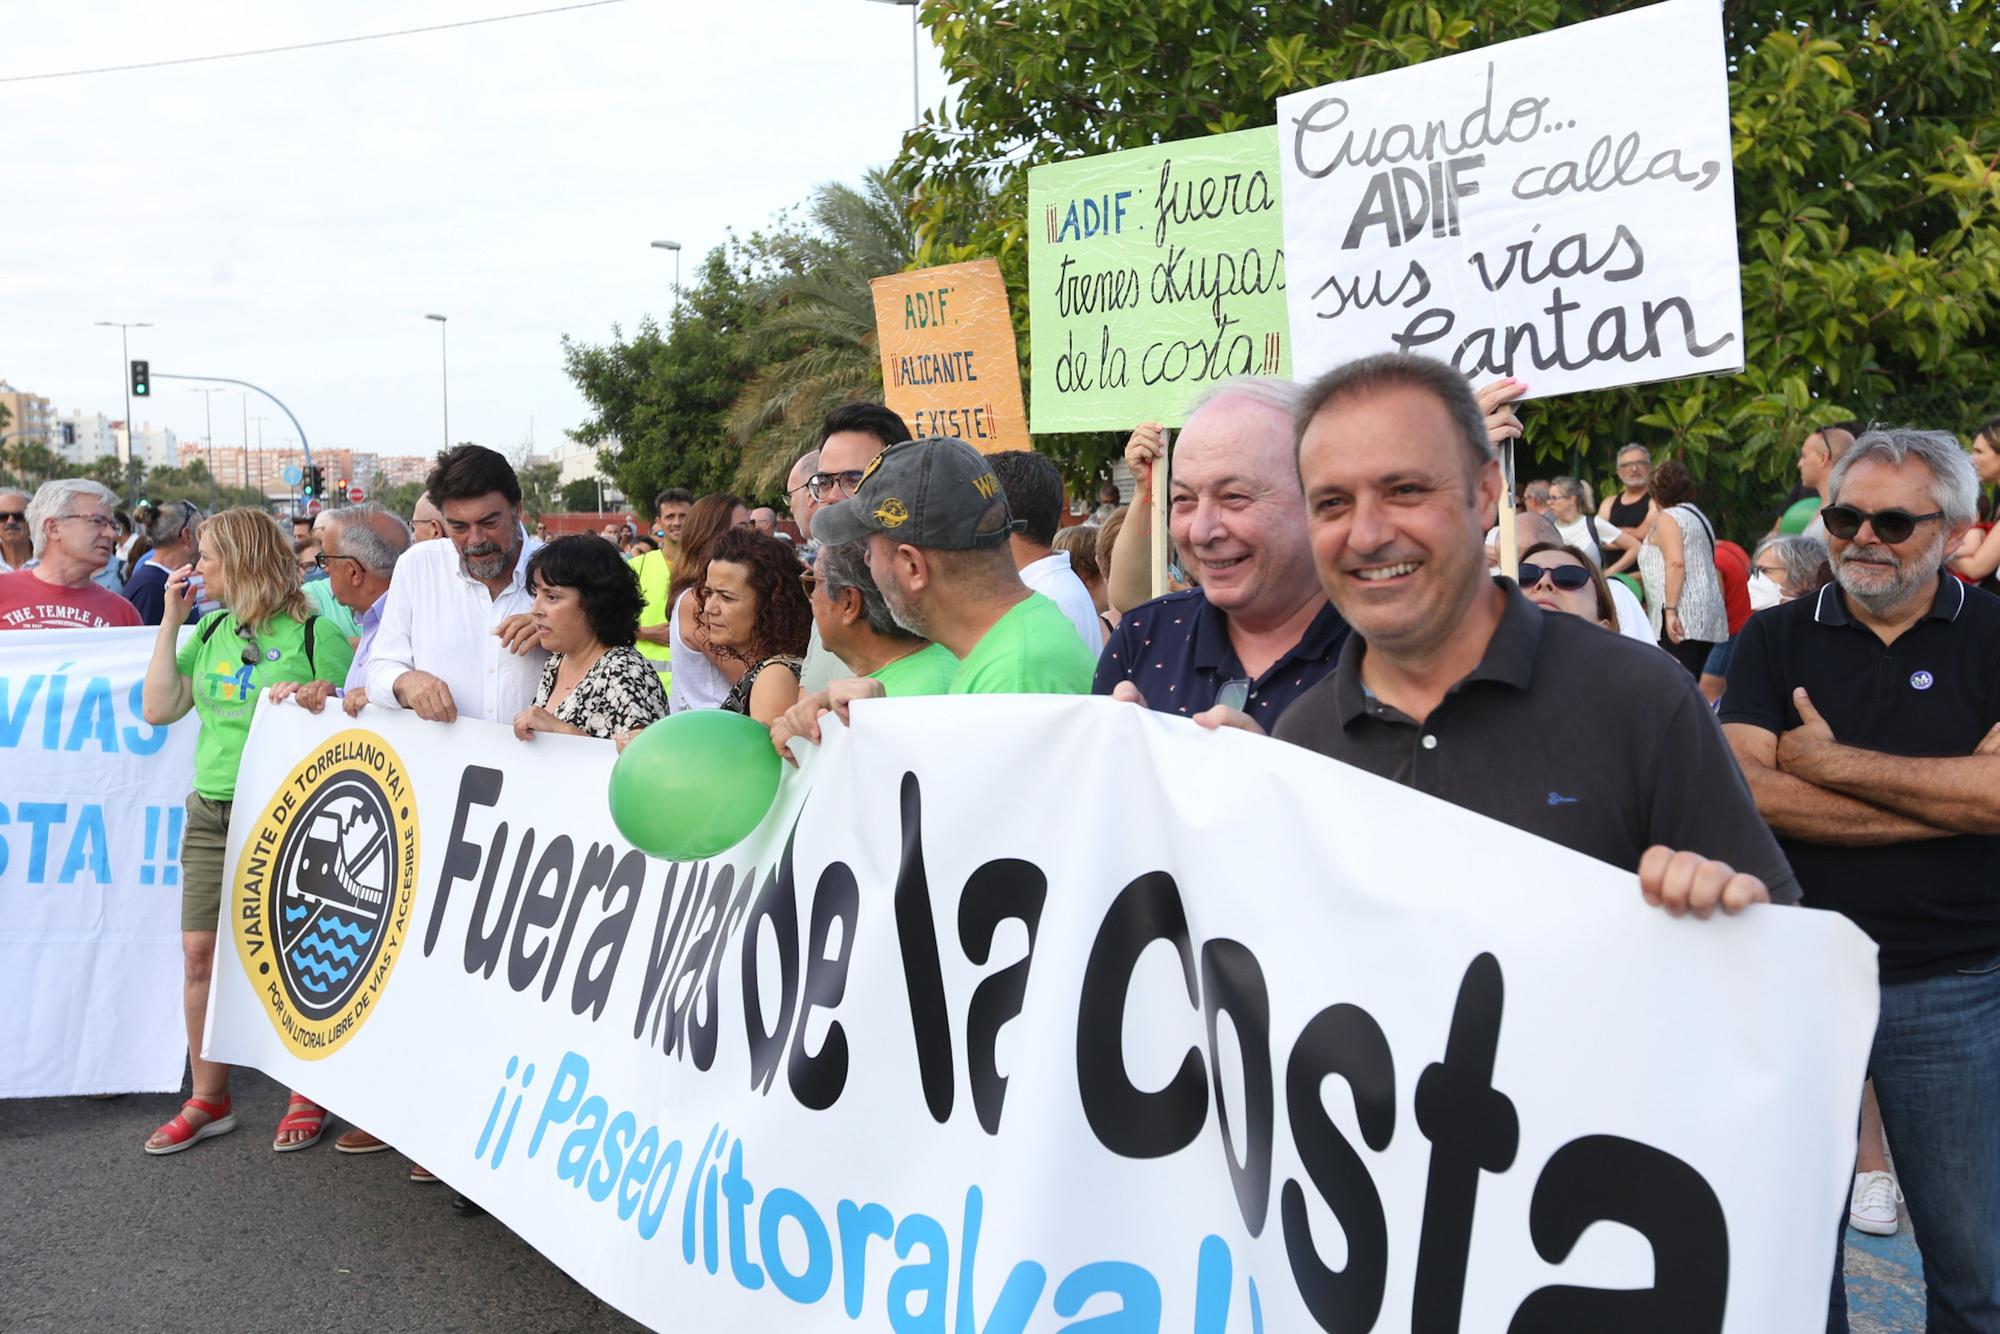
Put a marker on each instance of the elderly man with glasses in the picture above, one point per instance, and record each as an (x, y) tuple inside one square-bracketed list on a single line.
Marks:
[(16, 547), (74, 535)]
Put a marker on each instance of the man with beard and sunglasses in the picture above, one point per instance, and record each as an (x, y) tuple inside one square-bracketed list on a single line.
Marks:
[(1864, 717), (440, 650)]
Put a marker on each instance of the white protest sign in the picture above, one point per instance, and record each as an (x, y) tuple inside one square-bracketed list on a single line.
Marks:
[(91, 812), (1242, 1039), (1558, 208)]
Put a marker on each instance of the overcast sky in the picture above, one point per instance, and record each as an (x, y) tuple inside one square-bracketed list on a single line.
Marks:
[(289, 219)]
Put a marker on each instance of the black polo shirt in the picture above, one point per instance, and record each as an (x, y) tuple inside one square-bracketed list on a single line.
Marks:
[(1566, 730), (1176, 650), (1930, 905)]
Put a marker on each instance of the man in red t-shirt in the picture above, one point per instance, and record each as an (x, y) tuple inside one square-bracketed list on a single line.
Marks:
[(1732, 567), (75, 535)]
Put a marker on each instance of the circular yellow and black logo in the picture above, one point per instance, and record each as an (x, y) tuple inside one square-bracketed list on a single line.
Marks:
[(325, 890), (892, 513)]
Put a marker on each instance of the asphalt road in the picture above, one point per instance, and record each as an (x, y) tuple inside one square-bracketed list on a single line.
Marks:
[(228, 1236)]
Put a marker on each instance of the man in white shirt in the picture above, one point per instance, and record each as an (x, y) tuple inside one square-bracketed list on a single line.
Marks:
[(438, 650), (1035, 493)]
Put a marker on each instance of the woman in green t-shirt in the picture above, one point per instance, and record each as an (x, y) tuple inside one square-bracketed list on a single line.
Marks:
[(265, 633)]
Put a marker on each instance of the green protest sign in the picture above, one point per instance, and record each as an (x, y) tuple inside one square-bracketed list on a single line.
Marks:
[(1153, 274)]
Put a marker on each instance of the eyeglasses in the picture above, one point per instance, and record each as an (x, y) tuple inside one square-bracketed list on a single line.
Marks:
[(1569, 578), (809, 580), (1892, 526), (13, 516), (100, 521), (252, 655), (321, 557), (822, 484)]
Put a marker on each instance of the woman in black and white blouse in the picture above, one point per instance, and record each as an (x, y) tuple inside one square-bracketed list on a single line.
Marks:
[(586, 610)]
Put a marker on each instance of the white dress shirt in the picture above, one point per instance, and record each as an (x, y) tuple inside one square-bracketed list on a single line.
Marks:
[(439, 619), (1052, 577)]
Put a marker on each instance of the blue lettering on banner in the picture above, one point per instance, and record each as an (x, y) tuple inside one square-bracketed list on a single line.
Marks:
[(81, 836), (791, 1245), (88, 716)]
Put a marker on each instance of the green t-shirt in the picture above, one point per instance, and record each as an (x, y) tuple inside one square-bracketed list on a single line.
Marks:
[(226, 687), (320, 593), (928, 671), (1033, 650)]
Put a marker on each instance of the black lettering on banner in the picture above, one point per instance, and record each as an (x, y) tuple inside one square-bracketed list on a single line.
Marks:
[(592, 988), (1340, 1040), (1351, 296), (1606, 1178), (923, 974), (705, 1018), (1403, 143), (778, 906), (477, 786), (1125, 1119), (539, 909), (1472, 1128), (1004, 890), (655, 995), (817, 1081), (486, 932), (1232, 983), (594, 874)]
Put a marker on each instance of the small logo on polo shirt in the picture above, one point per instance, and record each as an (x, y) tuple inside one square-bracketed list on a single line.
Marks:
[(1558, 799), (1922, 680)]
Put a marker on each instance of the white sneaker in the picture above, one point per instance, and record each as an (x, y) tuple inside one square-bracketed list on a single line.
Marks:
[(1872, 1207)]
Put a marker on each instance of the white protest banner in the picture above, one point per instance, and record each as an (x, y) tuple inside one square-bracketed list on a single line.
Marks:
[(1558, 208), (1027, 1011), (90, 905)]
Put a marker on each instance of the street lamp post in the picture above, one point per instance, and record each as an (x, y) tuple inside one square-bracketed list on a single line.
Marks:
[(444, 359), (263, 473), (674, 246), (125, 348), (208, 440), (916, 111)]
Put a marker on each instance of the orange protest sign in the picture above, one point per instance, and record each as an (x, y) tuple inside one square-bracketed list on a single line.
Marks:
[(948, 360)]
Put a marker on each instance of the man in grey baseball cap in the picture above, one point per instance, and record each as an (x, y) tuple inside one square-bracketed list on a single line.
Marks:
[(936, 522)]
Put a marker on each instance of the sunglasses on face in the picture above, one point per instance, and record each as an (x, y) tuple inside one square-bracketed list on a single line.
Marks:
[(1891, 526), (1569, 578), (13, 516)]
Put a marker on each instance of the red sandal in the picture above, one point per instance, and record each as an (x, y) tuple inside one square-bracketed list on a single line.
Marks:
[(180, 1135), (301, 1113)]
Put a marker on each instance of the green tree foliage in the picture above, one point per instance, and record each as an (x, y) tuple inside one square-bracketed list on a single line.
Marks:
[(814, 336), (29, 463), (164, 486), (658, 398), (580, 496), (399, 498), (1867, 156), (539, 482)]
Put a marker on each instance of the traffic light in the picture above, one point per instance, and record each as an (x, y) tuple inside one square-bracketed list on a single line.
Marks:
[(315, 482), (142, 379)]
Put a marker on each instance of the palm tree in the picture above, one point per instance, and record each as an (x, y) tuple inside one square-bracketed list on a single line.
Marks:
[(814, 337)]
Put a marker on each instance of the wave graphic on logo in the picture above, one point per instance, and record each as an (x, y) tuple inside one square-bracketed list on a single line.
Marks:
[(321, 958), (294, 914)]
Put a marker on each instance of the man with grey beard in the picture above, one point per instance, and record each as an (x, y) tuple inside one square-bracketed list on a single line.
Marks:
[(444, 646), (1864, 718)]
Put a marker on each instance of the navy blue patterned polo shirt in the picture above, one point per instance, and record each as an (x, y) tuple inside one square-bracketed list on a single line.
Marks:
[(1176, 650)]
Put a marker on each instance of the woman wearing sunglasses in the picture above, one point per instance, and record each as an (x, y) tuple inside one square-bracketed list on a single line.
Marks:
[(1677, 565), (1560, 578), (264, 633)]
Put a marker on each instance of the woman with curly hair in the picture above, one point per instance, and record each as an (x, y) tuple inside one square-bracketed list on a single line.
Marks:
[(586, 612), (701, 678), (755, 609), (265, 634)]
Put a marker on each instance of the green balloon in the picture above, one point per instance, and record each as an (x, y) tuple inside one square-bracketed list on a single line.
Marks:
[(1798, 516), (694, 784)]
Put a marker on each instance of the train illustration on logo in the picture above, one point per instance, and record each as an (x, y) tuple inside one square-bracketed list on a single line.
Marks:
[(337, 876)]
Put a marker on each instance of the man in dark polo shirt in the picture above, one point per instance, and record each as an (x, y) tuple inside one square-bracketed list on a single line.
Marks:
[(1258, 616), (1861, 717), (1453, 683)]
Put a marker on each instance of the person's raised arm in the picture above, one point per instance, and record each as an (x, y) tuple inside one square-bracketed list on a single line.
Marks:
[(1626, 545), (391, 655), (1796, 808), (1981, 554), (1129, 581), (168, 694), (1667, 537)]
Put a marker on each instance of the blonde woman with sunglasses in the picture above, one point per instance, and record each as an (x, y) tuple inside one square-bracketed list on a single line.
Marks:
[(264, 633)]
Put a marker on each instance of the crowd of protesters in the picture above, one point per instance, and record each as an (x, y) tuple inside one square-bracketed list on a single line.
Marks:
[(1816, 720)]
